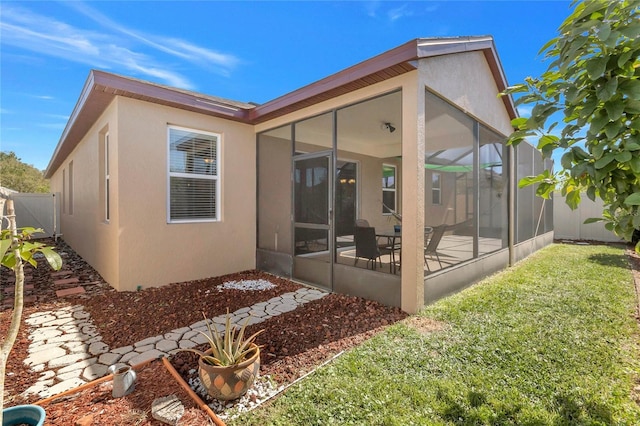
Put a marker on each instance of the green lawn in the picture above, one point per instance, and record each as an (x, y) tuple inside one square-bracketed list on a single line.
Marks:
[(552, 341)]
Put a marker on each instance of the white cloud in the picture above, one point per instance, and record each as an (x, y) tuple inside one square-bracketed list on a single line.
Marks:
[(372, 8), (62, 117), (219, 62), (118, 49), (431, 8), (399, 12)]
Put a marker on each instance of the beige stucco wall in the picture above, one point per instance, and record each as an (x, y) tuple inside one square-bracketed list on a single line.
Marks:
[(137, 246), (466, 80), (85, 230), (153, 252)]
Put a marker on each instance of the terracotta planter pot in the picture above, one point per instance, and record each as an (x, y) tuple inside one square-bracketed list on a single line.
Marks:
[(230, 382)]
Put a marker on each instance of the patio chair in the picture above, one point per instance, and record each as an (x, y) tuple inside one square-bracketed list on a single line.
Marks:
[(431, 248), (362, 223), (385, 244), (367, 246)]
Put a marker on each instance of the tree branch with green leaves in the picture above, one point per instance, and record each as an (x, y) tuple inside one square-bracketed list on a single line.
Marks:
[(15, 250), (587, 106)]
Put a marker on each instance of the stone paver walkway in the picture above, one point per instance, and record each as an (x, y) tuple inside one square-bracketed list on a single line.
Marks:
[(67, 350)]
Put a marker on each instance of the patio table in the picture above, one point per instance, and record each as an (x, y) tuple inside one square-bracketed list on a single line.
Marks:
[(394, 241)]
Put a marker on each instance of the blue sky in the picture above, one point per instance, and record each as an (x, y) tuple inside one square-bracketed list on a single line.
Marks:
[(245, 51)]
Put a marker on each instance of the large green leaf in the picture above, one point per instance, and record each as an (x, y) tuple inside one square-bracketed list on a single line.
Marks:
[(528, 180), (53, 258), (519, 123), (633, 199), (624, 58), (614, 109), (593, 220), (608, 158), (604, 31), (631, 88), (632, 107), (612, 129), (573, 199), (596, 66), (5, 243), (600, 120), (623, 157), (632, 31), (606, 90), (598, 150)]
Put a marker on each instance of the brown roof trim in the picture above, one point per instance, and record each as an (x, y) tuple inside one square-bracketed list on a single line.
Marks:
[(400, 54), (386, 65), (101, 88)]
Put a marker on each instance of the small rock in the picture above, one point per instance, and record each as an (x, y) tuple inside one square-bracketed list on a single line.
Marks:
[(85, 421), (167, 409)]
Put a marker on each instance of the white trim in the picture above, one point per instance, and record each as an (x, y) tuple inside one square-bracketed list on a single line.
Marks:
[(216, 178), (438, 189), (70, 184), (107, 179), (394, 189)]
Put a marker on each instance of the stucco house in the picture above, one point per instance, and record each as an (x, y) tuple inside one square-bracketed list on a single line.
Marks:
[(162, 185)]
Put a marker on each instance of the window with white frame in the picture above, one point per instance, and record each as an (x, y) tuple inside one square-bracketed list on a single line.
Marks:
[(436, 188), (194, 181), (64, 190), (71, 187), (389, 189), (107, 178)]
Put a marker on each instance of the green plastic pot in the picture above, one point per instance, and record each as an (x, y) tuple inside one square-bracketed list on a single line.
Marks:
[(33, 415)]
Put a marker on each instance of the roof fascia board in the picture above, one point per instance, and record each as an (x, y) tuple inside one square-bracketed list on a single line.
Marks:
[(436, 47), (168, 95), (501, 80), (404, 53)]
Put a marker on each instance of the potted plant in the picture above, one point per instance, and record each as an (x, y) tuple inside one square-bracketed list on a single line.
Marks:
[(229, 367)]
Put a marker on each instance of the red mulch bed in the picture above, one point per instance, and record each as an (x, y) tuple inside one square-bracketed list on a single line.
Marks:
[(96, 406), (293, 343)]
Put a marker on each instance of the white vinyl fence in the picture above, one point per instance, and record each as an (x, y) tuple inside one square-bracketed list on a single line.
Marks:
[(569, 224), (38, 211)]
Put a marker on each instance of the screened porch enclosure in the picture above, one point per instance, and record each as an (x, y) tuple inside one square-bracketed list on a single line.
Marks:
[(332, 186), (344, 167), (326, 173)]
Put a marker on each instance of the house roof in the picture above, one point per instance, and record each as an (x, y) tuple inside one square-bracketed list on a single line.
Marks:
[(101, 88)]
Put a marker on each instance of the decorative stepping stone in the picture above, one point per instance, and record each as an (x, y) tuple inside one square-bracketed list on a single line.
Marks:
[(69, 291), (168, 409), (66, 281)]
